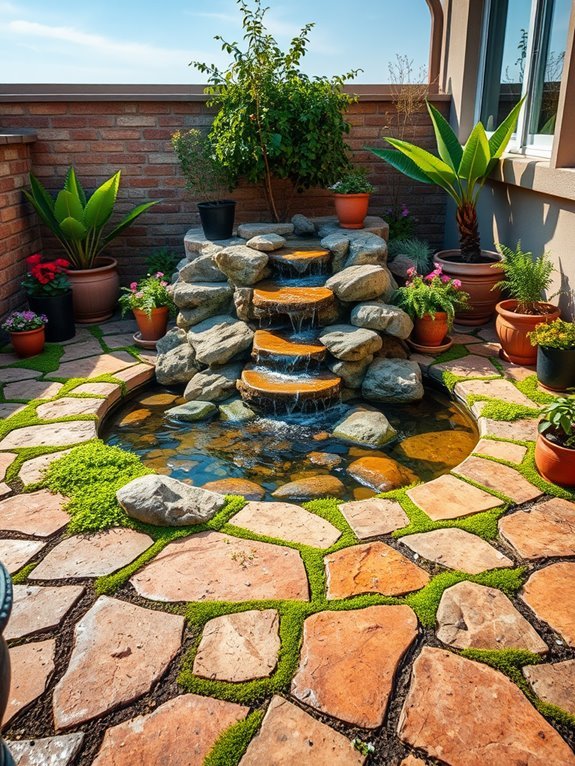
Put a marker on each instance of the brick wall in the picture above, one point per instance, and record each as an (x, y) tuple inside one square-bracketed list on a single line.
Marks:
[(19, 232), (100, 134)]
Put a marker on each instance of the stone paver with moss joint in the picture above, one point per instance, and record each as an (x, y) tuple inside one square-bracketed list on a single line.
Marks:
[(283, 633)]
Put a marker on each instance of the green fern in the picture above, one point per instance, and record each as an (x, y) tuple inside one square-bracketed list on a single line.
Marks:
[(526, 278)]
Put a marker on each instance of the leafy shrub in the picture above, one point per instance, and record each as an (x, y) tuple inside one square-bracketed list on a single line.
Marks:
[(353, 182), (526, 278), (417, 250), (430, 294), (556, 334)]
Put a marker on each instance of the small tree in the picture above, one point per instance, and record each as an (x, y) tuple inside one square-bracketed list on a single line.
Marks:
[(273, 120)]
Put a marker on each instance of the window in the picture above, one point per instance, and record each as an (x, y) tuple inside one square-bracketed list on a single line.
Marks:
[(523, 52)]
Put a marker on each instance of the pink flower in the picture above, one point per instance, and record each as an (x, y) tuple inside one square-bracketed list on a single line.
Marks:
[(139, 294), (445, 279), (411, 272), (133, 286), (159, 274), (456, 283)]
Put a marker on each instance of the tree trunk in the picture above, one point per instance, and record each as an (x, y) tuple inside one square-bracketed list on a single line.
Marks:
[(467, 223)]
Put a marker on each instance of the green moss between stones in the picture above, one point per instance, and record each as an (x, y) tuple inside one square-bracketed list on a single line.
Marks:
[(426, 601), (47, 361), (498, 410), (22, 575), (529, 387), (457, 351), (231, 745)]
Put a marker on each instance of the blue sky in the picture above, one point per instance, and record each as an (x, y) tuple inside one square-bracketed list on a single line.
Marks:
[(67, 41)]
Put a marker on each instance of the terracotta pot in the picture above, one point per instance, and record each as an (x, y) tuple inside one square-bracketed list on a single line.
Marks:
[(351, 209), (28, 342), (512, 330), (430, 331), (95, 291), (152, 327), (555, 463), (477, 279)]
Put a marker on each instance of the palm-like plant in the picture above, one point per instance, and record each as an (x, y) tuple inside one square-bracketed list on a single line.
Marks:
[(76, 221), (460, 170)]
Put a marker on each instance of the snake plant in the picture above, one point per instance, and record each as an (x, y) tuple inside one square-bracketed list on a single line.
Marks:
[(78, 221), (460, 170)]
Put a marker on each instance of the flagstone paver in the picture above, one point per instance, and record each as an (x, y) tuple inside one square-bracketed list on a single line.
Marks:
[(486, 349), (6, 460), (49, 751), (33, 470), (498, 477), (493, 389), (554, 683), (349, 660), (457, 549), (181, 732), (374, 516), (31, 389), (545, 530), (69, 405), (112, 391), (82, 349), (93, 366), (550, 593), (9, 409), (290, 736), (467, 714), (450, 498), (130, 646), (115, 327), (371, 568), (50, 435), (15, 553), (135, 376), (239, 647), (5, 490), (523, 430), (288, 522), (92, 555), (10, 374), (467, 367), (472, 616), (31, 667), (211, 566), (513, 453), (37, 608), (38, 513), (411, 760), (120, 340)]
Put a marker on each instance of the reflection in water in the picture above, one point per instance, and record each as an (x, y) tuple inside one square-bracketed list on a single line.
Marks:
[(433, 436)]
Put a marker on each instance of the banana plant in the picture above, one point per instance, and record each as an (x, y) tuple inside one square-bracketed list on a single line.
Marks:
[(77, 221), (459, 170)]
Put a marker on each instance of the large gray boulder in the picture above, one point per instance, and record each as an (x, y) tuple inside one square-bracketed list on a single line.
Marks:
[(383, 317), (338, 244), (266, 243), (219, 339), (215, 384), (189, 317), (351, 373), (350, 344), (236, 411), (303, 226), (242, 265), (176, 366), (361, 283), (367, 249), (365, 425), (167, 502), (172, 339), (202, 269), (249, 230), (243, 299), (189, 296), (393, 380)]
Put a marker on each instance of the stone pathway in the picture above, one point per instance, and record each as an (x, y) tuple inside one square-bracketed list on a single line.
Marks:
[(318, 626)]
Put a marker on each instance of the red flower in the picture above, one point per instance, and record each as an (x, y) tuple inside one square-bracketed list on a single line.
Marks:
[(33, 259)]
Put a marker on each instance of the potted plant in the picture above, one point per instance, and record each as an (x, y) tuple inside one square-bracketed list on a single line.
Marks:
[(555, 445), (461, 171), (151, 302), (351, 194), (525, 280), (431, 301), (206, 178), (26, 330), (78, 222), (555, 343), (49, 292)]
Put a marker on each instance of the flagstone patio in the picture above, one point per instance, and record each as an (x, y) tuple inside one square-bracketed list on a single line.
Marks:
[(430, 626)]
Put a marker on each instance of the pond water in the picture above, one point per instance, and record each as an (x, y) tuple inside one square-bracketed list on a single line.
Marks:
[(434, 435)]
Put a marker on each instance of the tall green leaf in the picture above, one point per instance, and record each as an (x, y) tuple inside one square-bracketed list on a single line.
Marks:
[(72, 184), (40, 193), (448, 146), (402, 163), (437, 170), (475, 158), (100, 206), (44, 210), (500, 138), (129, 219), (73, 229), (68, 206)]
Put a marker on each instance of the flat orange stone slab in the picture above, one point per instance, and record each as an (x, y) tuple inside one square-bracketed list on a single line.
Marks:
[(211, 566), (273, 344), (37, 608), (371, 568), (287, 521), (456, 549), (349, 660), (554, 683), (38, 513), (449, 498), (467, 714), (276, 386), (282, 299), (32, 665), (498, 477), (300, 256), (244, 487), (181, 732), (543, 531), (15, 553), (513, 453), (290, 736), (374, 516), (94, 366), (550, 593)]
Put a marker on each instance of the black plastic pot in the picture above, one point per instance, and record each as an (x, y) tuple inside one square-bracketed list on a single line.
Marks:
[(6, 598), (556, 368), (60, 312), (217, 218)]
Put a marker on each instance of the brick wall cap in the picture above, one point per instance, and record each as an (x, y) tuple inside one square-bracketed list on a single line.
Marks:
[(18, 136)]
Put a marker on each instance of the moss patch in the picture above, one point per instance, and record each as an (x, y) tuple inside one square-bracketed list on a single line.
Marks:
[(233, 743), (457, 351), (47, 361), (498, 410), (529, 387)]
